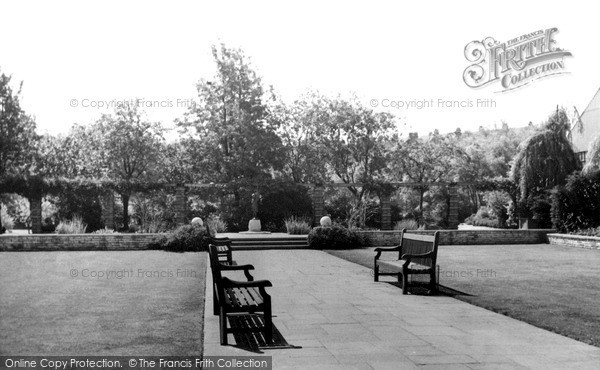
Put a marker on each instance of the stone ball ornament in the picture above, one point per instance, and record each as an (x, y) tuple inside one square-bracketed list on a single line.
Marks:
[(197, 221), (325, 221)]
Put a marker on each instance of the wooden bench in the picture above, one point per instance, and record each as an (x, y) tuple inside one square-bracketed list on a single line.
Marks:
[(417, 254), (231, 297), (223, 246)]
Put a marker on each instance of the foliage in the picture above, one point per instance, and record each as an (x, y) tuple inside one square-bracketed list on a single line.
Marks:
[(128, 148), (543, 161), (593, 231), (84, 204), (279, 200), (540, 207), (7, 220), (153, 212), (577, 204), (231, 126), (16, 206), (431, 160), (345, 210), (483, 217), (122, 148), (74, 226), (186, 238), (335, 237), (407, 224), (300, 126), (216, 224), (488, 156), (297, 225), (336, 138), (17, 131), (497, 202)]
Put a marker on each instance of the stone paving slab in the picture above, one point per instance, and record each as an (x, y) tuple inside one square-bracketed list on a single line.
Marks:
[(344, 320)]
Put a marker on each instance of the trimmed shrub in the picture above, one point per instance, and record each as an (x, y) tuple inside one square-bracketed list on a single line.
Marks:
[(296, 225), (483, 218), (186, 238), (335, 237)]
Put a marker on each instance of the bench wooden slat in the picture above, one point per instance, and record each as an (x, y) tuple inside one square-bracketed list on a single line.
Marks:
[(396, 266), (419, 237)]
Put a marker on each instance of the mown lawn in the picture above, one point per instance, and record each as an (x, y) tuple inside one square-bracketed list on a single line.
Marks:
[(553, 287), (75, 303)]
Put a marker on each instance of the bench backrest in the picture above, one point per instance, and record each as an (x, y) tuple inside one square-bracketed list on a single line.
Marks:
[(419, 244), (215, 264)]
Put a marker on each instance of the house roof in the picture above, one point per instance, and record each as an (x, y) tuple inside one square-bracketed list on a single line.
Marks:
[(586, 126)]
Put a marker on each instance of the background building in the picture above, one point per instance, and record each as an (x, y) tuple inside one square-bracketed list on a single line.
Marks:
[(586, 127)]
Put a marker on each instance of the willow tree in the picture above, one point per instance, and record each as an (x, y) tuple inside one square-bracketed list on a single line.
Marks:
[(543, 161)]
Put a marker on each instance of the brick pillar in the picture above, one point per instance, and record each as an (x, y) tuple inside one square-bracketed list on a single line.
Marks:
[(180, 205), (318, 204), (386, 212), (35, 214), (453, 207), (108, 209)]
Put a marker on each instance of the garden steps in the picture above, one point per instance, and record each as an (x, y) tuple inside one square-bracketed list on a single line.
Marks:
[(267, 242)]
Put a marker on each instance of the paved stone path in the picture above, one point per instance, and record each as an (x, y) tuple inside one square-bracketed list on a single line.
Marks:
[(342, 320)]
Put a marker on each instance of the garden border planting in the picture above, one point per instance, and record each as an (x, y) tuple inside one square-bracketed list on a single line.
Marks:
[(465, 237)]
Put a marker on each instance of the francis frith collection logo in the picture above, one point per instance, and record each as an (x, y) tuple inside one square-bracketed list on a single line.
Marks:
[(516, 62)]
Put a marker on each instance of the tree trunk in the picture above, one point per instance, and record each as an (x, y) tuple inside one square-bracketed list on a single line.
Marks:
[(125, 199), (1, 229)]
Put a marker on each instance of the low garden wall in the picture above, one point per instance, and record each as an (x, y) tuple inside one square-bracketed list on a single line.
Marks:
[(465, 237), (589, 242), (76, 242), (83, 242)]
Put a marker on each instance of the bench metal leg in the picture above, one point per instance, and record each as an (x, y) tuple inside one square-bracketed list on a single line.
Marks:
[(432, 283), (268, 330), (215, 304), (223, 326), (376, 272), (404, 282)]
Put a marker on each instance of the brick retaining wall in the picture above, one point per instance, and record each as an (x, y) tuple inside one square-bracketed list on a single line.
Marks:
[(465, 237), (79, 242), (54, 242), (581, 241)]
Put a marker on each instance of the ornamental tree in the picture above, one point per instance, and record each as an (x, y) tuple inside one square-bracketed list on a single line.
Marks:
[(543, 161)]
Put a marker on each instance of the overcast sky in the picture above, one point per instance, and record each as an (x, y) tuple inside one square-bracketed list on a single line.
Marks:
[(79, 53)]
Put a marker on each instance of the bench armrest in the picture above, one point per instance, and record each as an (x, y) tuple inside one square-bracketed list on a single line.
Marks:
[(224, 267), (228, 283), (392, 249), (407, 257), (245, 268)]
